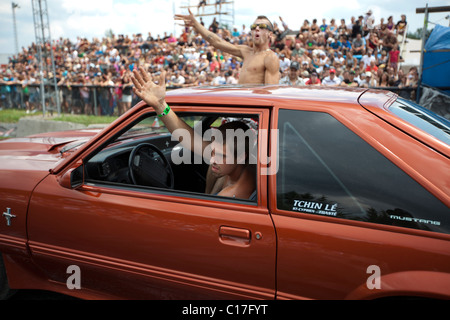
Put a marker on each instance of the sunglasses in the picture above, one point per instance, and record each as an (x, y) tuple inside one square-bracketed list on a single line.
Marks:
[(261, 26)]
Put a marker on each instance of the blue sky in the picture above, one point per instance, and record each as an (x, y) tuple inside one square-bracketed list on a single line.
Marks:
[(91, 18)]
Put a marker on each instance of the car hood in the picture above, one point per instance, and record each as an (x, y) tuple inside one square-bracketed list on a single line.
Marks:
[(42, 151)]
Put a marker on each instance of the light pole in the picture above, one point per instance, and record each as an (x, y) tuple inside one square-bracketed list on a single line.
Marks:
[(14, 6)]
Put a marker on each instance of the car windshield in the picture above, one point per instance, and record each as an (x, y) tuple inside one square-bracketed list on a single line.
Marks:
[(422, 118)]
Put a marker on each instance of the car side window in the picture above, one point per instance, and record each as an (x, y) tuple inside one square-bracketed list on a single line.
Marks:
[(147, 155), (326, 169)]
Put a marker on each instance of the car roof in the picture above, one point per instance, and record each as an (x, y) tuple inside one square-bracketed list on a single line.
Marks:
[(266, 95), (374, 101)]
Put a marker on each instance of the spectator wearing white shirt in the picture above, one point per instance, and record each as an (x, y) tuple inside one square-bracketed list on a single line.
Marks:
[(244, 30), (350, 25), (323, 61), (331, 80), (220, 79), (178, 80), (284, 63), (369, 20), (368, 58), (363, 81), (340, 58)]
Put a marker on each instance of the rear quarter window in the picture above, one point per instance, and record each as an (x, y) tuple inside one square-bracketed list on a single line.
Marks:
[(423, 119), (326, 169)]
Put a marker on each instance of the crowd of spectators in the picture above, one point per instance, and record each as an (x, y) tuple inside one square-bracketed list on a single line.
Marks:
[(358, 52)]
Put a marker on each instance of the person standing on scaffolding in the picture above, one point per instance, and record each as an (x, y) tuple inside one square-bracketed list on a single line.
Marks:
[(219, 3), (260, 64), (202, 4)]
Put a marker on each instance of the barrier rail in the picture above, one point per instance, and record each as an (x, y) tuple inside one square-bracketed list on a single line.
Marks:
[(95, 100), (75, 99)]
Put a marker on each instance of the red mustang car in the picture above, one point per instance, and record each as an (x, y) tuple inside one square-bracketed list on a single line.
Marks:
[(351, 202)]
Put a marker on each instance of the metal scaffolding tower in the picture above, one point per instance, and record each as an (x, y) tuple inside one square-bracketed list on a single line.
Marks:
[(225, 12), (14, 6), (45, 49)]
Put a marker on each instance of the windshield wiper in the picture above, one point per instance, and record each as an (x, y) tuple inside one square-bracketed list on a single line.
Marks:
[(71, 146)]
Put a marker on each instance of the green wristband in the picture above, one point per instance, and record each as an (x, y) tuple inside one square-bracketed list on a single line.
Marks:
[(165, 112)]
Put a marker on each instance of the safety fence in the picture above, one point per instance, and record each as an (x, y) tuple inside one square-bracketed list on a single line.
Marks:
[(74, 99), (95, 100)]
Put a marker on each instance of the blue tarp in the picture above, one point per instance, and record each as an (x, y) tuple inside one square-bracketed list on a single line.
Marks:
[(436, 59), (439, 39)]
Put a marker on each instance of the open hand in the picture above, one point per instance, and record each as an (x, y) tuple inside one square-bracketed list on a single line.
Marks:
[(189, 20), (153, 94)]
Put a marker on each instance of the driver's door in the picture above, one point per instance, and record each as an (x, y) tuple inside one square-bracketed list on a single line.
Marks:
[(139, 243)]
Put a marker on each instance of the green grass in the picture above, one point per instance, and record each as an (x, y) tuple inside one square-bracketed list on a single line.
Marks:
[(13, 116), (84, 119)]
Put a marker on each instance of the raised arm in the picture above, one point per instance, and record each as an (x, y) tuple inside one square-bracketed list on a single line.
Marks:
[(209, 36), (154, 95)]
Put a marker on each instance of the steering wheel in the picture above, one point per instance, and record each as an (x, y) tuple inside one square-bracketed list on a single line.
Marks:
[(148, 169)]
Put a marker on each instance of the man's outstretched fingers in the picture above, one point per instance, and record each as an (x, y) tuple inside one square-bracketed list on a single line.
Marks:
[(181, 17), (188, 19)]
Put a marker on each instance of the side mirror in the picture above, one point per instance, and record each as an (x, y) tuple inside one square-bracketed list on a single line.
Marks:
[(72, 178)]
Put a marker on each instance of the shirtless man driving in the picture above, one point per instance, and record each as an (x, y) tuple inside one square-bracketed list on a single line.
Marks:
[(261, 65)]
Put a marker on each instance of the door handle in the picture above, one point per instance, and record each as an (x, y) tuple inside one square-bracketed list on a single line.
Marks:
[(235, 232), (234, 236)]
